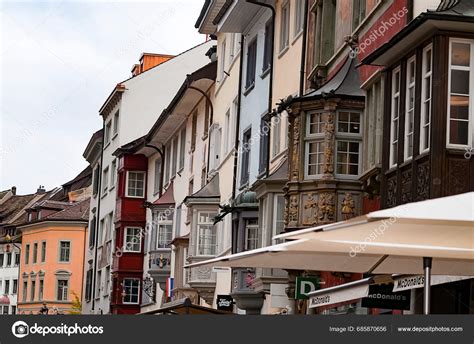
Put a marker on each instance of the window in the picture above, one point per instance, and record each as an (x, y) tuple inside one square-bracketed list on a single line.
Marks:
[(105, 180), (410, 108), (157, 181), (193, 130), (251, 64), (135, 184), (27, 253), (324, 31), (395, 113), (38, 216), (64, 251), (276, 135), (207, 234), (113, 173), (182, 149), (207, 114), (15, 287), (116, 122), (264, 137), (227, 131), (17, 259), (43, 251), (95, 187), (373, 124), (108, 226), (133, 239), (9, 259), (25, 291), (461, 61), (88, 289), (6, 291), (222, 61), (174, 157), (131, 289), (92, 230), (98, 283), (63, 289), (215, 147), (267, 52), (13, 309), (314, 144), (107, 134), (299, 17), (40, 290), (279, 214), (251, 234), (164, 220), (245, 161), (29, 217), (284, 26), (2, 258), (107, 281), (348, 143), (4, 310), (167, 152), (101, 231), (426, 84), (358, 13), (35, 252), (32, 290)]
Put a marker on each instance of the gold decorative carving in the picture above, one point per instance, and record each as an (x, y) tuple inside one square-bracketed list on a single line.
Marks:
[(348, 207), (310, 210), (329, 130), (295, 158), (293, 211), (326, 208)]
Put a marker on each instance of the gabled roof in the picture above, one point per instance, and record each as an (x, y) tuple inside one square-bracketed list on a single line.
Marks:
[(167, 198), (451, 15), (209, 193)]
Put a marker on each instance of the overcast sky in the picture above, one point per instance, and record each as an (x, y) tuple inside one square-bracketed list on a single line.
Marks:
[(59, 62)]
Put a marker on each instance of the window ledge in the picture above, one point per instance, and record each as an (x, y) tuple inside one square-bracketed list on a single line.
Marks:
[(106, 145), (296, 36), (243, 186), (283, 51), (265, 72), (249, 88), (104, 193), (112, 187), (115, 135)]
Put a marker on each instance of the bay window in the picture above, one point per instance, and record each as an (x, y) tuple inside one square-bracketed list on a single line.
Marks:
[(131, 289), (135, 184), (164, 223), (410, 108), (314, 144), (395, 114), (426, 83), (133, 239), (461, 60), (278, 214), (207, 234)]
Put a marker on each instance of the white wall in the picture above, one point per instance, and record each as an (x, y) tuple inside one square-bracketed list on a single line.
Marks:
[(9, 273)]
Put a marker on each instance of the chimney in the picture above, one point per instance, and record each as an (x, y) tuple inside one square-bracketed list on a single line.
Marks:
[(41, 189), (148, 61), (13, 190)]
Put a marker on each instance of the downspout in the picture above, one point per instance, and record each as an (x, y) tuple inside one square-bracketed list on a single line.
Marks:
[(303, 49), (270, 86), (162, 167), (211, 120), (237, 120), (97, 221)]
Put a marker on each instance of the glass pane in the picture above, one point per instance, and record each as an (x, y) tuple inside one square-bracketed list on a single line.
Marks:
[(353, 169), (458, 132), (459, 107), (427, 87), (344, 116), (428, 61), (460, 81), (460, 54), (354, 147)]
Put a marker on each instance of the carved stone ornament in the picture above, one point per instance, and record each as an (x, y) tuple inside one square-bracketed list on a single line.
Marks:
[(203, 272), (293, 211), (295, 158), (406, 185), (329, 130), (310, 210), (423, 184), (285, 212), (348, 207), (326, 208), (392, 192)]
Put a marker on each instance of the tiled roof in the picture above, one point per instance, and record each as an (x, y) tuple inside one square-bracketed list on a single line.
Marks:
[(76, 211), (13, 206)]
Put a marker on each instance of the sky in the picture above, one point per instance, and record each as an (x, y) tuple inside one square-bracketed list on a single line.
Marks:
[(59, 60)]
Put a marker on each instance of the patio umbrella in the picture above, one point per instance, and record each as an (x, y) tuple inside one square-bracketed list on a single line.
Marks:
[(429, 237)]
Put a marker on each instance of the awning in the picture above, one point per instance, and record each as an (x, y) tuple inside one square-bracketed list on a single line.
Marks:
[(185, 306)]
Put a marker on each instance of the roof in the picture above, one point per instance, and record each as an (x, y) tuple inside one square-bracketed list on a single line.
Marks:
[(167, 198), (448, 17), (185, 306), (345, 82), (82, 178), (13, 206), (95, 139), (51, 204), (75, 212)]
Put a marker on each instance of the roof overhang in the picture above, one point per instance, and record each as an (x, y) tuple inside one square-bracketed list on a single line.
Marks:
[(210, 10), (112, 100), (239, 15), (93, 147), (417, 31)]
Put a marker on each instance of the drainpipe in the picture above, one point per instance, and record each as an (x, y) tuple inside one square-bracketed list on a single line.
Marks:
[(303, 49), (270, 86), (237, 120), (97, 221)]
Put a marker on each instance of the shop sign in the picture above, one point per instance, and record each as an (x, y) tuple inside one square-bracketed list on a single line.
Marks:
[(305, 285), (382, 296), (225, 303)]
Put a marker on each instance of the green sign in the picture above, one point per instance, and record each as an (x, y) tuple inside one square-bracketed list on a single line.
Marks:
[(305, 285)]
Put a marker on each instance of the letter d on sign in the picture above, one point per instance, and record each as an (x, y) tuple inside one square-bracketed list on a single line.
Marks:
[(305, 285)]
